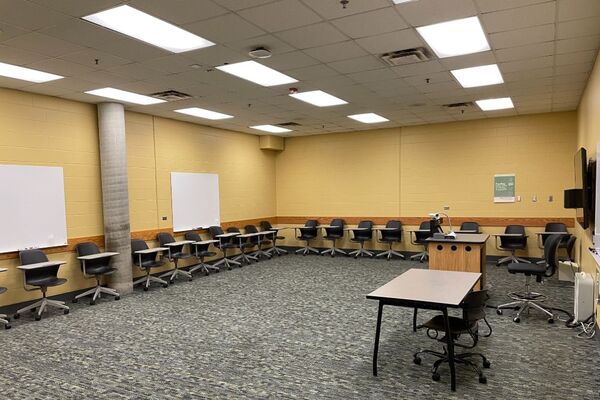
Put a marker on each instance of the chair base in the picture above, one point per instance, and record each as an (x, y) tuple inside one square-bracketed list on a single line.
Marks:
[(512, 259), (96, 293), (332, 251), (41, 307), (174, 273), (360, 253), (307, 250), (261, 253), (244, 258), (422, 256), (389, 254), (276, 250), (204, 267), (149, 279), (227, 262), (5, 321), (524, 305), (462, 358)]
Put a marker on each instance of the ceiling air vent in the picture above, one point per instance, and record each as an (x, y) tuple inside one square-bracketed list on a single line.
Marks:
[(289, 124), (459, 105), (408, 56), (171, 95)]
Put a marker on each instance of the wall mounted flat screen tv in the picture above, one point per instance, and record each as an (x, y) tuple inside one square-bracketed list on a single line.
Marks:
[(582, 184)]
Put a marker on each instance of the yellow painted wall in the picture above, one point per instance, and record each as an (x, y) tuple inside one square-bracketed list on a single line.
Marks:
[(588, 136)]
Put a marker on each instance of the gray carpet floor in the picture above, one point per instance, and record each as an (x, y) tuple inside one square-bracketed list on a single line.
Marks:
[(289, 328)]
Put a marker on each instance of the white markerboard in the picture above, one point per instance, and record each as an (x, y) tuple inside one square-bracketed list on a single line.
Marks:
[(32, 207), (195, 200)]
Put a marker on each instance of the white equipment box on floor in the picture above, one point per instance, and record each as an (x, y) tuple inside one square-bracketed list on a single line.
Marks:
[(584, 297), (567, 271)]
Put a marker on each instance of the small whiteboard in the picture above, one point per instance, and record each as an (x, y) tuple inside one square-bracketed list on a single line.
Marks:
[(195, 200), (32, 207)]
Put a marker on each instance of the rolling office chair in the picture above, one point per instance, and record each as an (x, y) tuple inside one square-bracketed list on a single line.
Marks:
[(553, 227), (307, 233), (527, 299), (470, 226), (175, 253), (4, 319), (98, 267), (512, 244), (390, 237), (333, 233), (473, 311), (146, 262), (41, 279), (258, 242), (362, 234), (224, 244), (420, 239), (201, 252), (242, 245), (571, 248), (266, 226)]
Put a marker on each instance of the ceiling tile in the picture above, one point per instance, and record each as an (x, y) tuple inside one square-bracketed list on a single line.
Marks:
[(486, 6), (219, 29), (336, 51), (579, 27), (521, 37), (294, 59), (78, 8), (236, 5), (94, 58), (371, 23), (275, 45), (333, 9), (528, 74), (9, 31), (524, 17), (578, 44), (532, 63), (357, 64), (43, 44), (27, 15), (470, 60), (418, 68), (60, 67), (575, 58), (426, 12), (576, 9), (372, 76), (312, 36), (179, 12), (275, 17), (172, 64), (313, 72), (13, 55), (524, 52), (398, 40)]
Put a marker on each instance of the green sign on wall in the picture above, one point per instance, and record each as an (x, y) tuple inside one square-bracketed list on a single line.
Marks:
[(504, 188)]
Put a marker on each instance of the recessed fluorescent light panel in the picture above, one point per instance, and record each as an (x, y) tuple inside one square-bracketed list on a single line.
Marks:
[(319, 98), (257, 73), (478, 76), (368, 118), (122, 95), (139, 25), (26, 74), (403, 1), (271, 128), (495, 104), (455, 38), (202, 113)]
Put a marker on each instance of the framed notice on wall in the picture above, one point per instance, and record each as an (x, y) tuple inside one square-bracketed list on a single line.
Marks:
[(504, 188)]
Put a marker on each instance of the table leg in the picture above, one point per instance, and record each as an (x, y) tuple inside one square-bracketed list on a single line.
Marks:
[(377, 333), (450, 346), (415, 319)]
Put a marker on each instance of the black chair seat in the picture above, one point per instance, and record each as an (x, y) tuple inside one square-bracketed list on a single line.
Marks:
[(180, 255), (523, 268), (100, 270), (46, 281), (457, 325), (334, 236), (151, 264), (227, 245), (2, 290), (206, 253), (306, 237), (390, 240), (513, 246)]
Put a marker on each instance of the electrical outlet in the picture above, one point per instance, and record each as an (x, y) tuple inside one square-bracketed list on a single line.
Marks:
[(446, 208), (550, 199), (164, 218)]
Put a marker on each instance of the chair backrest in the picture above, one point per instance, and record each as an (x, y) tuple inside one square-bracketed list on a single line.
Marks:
[(474, 306), (571, 247), (425, 226), (164, 238), (137, 245), (34, 256), (233, 229), (193, 236), (469, 226), (265, 226), (555, 227), (87, 249), (551, 254), (311, 223), (215, 231), (365, 234), (250, 229), (337, 227), (395, 235), (514, 242)]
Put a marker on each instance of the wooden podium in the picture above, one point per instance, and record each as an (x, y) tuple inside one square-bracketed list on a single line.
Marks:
[(466, 253)]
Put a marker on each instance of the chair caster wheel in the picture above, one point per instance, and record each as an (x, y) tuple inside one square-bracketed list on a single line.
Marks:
[(145, 289), (92, 303), (516, 320), (117, 298), (75, 301), (498, 311), (16, 316), (190, 279), (7, 326), (550, 320), (38, 317), (486, 364), (65, 312), (482, 379), (435, 377), (417, 360), (166, 285), (32, 310)]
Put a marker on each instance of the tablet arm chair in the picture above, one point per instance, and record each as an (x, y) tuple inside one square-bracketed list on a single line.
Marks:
[(307, 233), (224, 244), (469, 227), (200, 251), (334, 232), (146, 262), (259, 241), (514, 239), (419, 238), (524, 301), (97, 268), (473, 307), (392, 234), (242, 244), (557, 227), (4, 319), (40, 279), (362, 234), (174, 253), (266, 226)]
